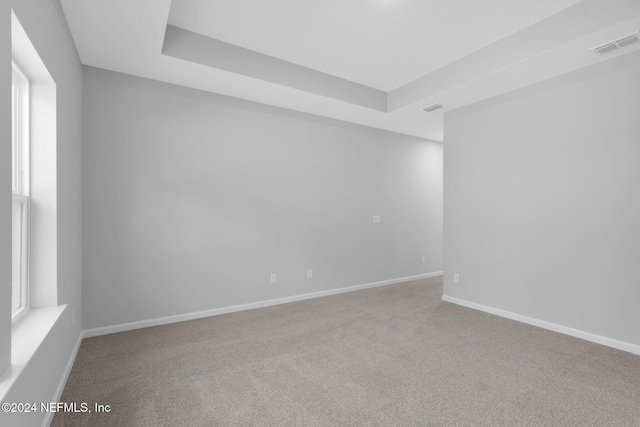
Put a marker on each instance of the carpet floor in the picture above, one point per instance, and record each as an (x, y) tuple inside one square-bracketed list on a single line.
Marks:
[(390, 356)]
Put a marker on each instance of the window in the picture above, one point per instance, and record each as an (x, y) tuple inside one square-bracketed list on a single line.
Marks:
[(20, 190)]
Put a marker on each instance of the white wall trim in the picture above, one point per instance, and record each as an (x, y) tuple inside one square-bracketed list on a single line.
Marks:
[(87, 333), (48, 418), (588, 336)]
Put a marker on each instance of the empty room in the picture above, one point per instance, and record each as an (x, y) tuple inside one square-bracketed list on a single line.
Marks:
[(320, 213)]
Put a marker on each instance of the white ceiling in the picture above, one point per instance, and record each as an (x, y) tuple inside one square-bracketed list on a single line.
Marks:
[(412, 53), (383, 44)]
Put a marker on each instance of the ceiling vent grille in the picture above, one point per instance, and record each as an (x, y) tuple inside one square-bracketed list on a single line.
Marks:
[(617, 44), (431, 108), (626, 41), (609, 47)]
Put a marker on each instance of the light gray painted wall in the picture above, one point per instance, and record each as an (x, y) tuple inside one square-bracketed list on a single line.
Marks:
[(191, 201), (46, 26), (541, 201)]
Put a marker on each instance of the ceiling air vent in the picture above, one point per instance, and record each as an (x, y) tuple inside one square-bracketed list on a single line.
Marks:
[(626, 41), (605, 48), (617, 44), (431, 108)]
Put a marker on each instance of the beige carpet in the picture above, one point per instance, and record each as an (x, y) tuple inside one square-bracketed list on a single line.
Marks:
[(389, 356)]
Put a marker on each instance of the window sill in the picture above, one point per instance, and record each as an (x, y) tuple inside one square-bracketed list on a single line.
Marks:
[(17, 316), (27, 335)]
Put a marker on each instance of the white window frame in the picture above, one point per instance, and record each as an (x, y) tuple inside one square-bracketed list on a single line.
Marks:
[(20, 185)]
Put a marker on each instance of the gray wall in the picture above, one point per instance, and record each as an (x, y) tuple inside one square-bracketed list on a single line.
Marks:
[(191, 201), (46, 26), (542, 201)]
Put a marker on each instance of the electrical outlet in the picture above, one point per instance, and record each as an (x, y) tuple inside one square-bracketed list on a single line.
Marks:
[(273, 278), (377, 220), (424, 259), (456, 278), (309, 274)]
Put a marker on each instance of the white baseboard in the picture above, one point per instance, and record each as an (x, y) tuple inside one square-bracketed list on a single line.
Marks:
[(587, 336), (87, 333), (48, 418)]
